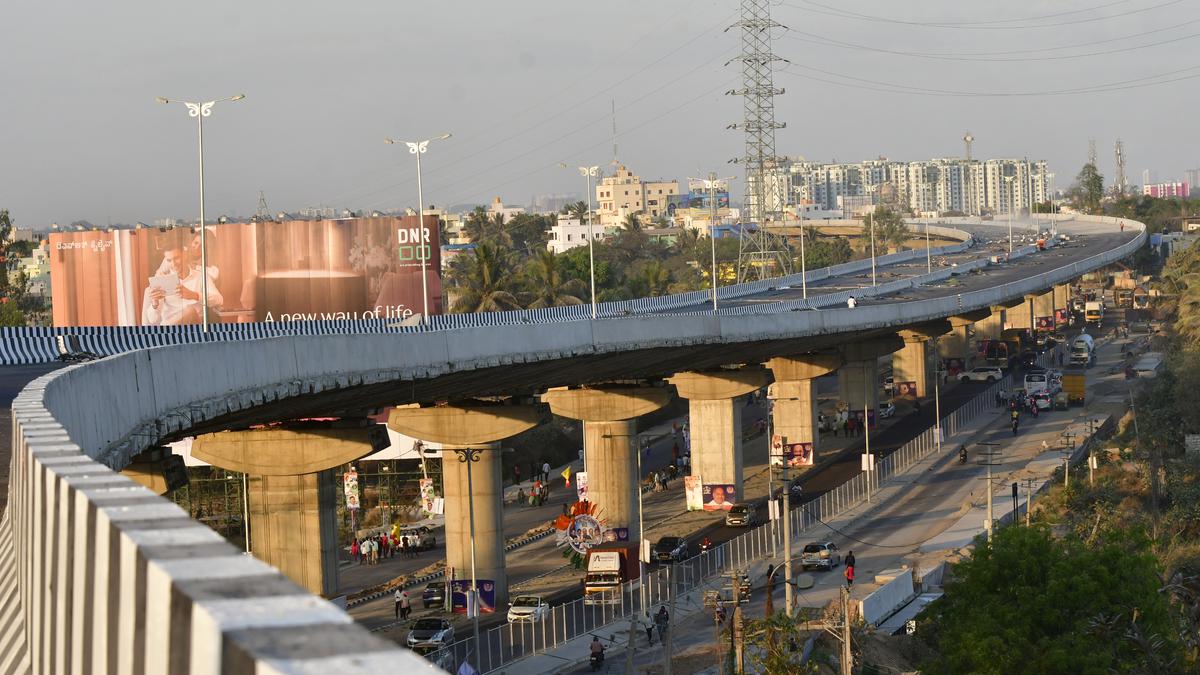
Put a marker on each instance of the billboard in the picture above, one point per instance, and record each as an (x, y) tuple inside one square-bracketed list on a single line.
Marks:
[(718, 496), (351, 268)]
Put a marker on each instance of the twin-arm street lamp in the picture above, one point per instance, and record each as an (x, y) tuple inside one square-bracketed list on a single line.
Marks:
[(418, 148), (200, 111)]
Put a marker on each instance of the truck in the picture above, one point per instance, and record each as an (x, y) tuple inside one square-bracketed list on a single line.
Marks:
[(1006, 352), (1093, 311), (1123, 297), (1074, 384), (1148, 365), (1083, 350), (609, 566)]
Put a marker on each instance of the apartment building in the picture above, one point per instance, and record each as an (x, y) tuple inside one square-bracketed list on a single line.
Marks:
[(624, 192)]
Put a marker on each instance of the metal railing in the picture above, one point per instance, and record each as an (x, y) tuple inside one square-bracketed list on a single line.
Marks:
[(509, 642)]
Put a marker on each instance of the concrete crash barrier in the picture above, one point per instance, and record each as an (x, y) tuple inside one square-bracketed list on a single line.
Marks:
[(98, 574), (896, 592)]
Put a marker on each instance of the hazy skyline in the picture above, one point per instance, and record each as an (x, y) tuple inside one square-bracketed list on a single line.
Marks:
[(525, 85)]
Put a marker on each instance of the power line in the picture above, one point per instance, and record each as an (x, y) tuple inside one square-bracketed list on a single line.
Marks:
[(978, 23), (830, 42), (864, 542), (890, 87), (833, 11)]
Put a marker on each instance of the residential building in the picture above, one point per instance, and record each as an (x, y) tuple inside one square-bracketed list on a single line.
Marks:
[(1170, 190), (552, 203), (568, 232), (497, 208), (624, 193)]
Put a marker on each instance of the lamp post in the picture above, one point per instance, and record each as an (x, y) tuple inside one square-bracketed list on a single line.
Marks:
[(1009, 180), (200, 111), (711, 184), (803, 257), (418, 148), (469, 456), (590, 172), (871, 228), (928, 256)]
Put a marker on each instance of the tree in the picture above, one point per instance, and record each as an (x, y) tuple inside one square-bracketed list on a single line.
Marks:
[(888, 225), (772, 644), (10, 314), (486, 281), (529, 231), (481, 226), (13, 283), (651, 281), (578, 211), (1088, 190), (825, 252), (1029, 602), (549, 284)]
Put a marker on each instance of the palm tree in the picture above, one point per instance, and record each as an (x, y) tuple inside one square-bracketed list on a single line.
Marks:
[(632, 222), (486, 281), (481, 226), (549, 285), (578, 210), (654, 280)]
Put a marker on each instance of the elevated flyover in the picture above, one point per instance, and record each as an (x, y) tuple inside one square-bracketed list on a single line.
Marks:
[(95, 569)]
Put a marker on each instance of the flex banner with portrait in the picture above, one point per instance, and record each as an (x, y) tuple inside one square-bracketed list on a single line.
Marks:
[(296, 270)]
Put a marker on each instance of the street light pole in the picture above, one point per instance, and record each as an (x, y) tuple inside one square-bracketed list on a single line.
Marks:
[(200, 111), (591, 172), (469, 456), (871, 227), (928, 256), (418, 148), (803, 258), (711, 184), (1009, 180)]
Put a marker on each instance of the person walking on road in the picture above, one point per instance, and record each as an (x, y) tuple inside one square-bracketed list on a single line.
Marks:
[(849, 576), (649, 629), (545, 471), (850, 559), (399, 596)]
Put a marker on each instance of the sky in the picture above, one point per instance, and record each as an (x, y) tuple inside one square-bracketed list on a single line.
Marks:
[(525, 85)]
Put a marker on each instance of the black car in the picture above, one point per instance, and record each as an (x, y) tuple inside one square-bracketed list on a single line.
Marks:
[(670, 549), (434, 594)]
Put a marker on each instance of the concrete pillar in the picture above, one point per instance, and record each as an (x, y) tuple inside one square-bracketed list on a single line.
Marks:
[(1062, 304), (858, 378), (469, 436), (911, 364), (1019, 316), (955, 347), (610, 445), (488, 502), (293, 495), (794, 415), (293, 527), (1043, 310), (715, 416), (991, 326)]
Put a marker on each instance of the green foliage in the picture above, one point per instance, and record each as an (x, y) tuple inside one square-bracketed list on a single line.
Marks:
[(888, 227), (10, 314), (1159, 215), (773, 645), (486, 281), (1032, 603), (549, 284), (1088, 190), (825, 252), (529, 231)]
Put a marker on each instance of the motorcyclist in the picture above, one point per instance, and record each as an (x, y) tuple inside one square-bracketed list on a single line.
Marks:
[(597, 646), (597, 656), (962, 454), (705, 544)]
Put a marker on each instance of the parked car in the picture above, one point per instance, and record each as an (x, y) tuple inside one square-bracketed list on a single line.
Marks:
[(889, 385), (423, 536), (741, 514), (983, 374), (431, 632), (886, 410), (820, 554), (670, 549), (528, 608), (434, 594)]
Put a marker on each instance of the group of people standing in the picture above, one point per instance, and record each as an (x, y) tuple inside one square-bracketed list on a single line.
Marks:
[(538, 493), (369, 550), (842, 420)]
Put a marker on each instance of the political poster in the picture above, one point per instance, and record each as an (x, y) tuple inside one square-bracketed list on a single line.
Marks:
[(1044, 322), (264, 271), (350, 489), (799, 454), (718, 497), (427, 494), (1062, 317), (460, 590), (581, 486), (955, 367), (906, 388), (693, 492)]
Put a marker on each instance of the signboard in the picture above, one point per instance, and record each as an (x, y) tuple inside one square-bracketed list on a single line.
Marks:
[(584, 532), (954, 367), (1062, 317), (858, 415), (693, 492), (460, 588), (718, 497), (174, 472), (427, 495), (605, 561), (581, 486), (906, 389), (350, 489), (296, 270), (1044, 322)]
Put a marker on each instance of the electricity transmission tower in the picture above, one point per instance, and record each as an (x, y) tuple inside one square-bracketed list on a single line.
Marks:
[(1121, 186), (759, 249), (263, 213), (1092, 151)]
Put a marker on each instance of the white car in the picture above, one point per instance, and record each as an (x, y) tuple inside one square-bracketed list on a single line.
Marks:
[(982, 374), (886, 410), (531, 608)]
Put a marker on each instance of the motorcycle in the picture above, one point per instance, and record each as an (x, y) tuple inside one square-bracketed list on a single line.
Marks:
[(597, 660), (962, 455), (1015, 423), (706, 545)]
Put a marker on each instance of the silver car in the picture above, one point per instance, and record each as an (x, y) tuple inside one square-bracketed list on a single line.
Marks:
[(431, 632), (821, 555)]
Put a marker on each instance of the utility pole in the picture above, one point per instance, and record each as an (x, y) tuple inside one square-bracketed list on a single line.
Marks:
[(847, 649), (1028, 500), (667, 646), (787, 539), (988, 454)]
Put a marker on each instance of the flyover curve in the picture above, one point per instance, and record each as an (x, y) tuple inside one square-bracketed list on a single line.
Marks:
[(95, 568)]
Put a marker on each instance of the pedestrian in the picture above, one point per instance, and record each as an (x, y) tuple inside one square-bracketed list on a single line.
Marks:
[(354, 552), (398, 597), (521, 497), (850, 559), (516, 474), (404, 545), (649, 629), (849, 576), (405, 605), (545, 471)]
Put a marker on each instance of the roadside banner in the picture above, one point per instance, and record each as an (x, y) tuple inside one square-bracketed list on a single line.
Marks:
[(350, 489), (718, 497), (693, 491), (581, 486)]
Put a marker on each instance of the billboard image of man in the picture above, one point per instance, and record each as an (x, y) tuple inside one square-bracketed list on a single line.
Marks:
[(175, 298)]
